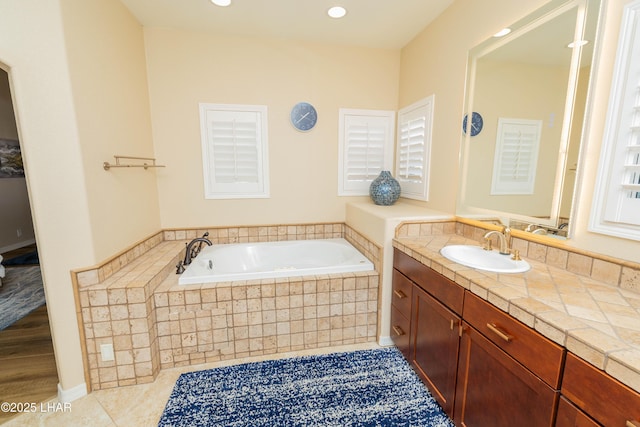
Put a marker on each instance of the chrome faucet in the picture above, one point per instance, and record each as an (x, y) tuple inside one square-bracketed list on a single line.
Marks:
[(504, 237), (193, 249)]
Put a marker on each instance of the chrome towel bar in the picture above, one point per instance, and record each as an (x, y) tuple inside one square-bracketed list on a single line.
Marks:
[(107, 165)]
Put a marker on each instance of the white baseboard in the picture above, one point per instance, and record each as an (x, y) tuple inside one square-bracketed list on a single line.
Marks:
[(385, 341), (17, 245), (71, 394)]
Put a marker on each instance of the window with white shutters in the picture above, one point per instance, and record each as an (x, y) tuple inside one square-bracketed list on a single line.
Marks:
[(616, 209), (414, 148), (366, 147), (516, 156), (234, 151)]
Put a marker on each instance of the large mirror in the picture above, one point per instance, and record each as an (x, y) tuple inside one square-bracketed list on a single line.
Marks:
[(530, 89)]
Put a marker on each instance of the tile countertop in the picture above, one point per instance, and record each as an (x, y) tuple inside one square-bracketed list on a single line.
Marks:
[(598, 322)]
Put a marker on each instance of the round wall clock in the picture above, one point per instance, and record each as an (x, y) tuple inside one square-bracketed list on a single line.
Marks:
[(476, 123), (304, 116)]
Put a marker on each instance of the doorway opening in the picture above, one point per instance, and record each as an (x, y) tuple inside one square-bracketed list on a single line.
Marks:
[(29, 371)]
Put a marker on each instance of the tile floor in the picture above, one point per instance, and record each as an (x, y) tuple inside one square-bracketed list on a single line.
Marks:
[(138, 405)]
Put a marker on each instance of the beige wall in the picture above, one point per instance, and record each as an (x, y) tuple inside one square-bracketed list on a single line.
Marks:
[(105, 48), (78, 77), (32, 50), (435, 63), (186, 68)]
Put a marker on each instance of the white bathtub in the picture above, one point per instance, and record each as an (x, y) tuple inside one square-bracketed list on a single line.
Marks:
[(247, 261)]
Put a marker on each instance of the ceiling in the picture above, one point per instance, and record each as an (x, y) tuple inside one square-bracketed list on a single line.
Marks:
[(387, 24)]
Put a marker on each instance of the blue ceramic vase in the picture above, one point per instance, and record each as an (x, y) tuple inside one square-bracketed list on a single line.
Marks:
[(384, 190)]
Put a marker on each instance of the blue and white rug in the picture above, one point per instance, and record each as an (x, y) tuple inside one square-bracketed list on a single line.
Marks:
[(361, 388)]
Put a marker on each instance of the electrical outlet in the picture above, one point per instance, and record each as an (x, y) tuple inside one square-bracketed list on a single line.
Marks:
[(106, 352), (19, 232)]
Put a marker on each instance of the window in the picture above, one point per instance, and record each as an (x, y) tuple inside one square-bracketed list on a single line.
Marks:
[(234, 151), (516, 157), (414, 148), (616, 209), (366, 149)]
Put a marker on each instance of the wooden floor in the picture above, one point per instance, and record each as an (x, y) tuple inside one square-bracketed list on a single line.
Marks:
[(27, 365)]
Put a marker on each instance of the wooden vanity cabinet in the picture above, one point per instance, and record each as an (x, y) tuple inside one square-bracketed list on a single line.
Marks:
[(508, 374), (434, 325), (571, 416), (598, 395)]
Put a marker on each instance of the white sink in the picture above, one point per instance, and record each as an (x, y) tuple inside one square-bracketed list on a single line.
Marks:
[(477, 257)]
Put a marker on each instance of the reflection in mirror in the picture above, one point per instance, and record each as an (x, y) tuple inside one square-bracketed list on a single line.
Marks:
[(530, 87)]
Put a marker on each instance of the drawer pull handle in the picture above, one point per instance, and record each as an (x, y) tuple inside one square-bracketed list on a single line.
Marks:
[(399, 332), (633, 424), (399, 294), (493, 328)]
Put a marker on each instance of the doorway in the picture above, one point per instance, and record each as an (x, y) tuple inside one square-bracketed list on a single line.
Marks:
[(28, 371)]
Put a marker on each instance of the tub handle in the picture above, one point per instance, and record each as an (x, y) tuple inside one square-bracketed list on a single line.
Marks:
[(211, 264)]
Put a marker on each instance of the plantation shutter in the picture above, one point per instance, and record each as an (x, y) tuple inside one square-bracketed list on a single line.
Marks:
[(366, 141), (617, 200), (234, 151), (414, 149), (516, 156), (624, 195)]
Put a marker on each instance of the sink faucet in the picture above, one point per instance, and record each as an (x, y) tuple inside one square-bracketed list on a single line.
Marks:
[(193, 249), (504, 237)]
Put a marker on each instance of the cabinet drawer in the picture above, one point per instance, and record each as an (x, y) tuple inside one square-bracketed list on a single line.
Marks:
[(605, 399), (400, 329), (570, 416), (539, 354), (401, 295), (446, 291)]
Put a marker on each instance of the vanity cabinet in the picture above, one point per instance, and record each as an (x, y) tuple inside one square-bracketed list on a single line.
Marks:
[(508, 374), (430, 303), (482, 366), (595, 394)]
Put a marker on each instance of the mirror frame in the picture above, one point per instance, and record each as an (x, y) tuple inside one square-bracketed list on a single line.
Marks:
[(522, 26)]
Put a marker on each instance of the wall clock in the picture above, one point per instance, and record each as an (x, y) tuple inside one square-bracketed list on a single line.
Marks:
[(304, 116), (476, 123)]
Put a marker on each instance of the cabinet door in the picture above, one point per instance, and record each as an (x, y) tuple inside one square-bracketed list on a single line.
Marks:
[(494, 390), (435, 337), (570, 416)]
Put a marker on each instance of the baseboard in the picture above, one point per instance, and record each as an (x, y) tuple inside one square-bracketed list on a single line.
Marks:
[(17, 245), (71, 394), (385, 341)]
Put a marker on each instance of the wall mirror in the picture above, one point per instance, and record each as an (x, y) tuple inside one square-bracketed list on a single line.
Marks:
[(530, 87)]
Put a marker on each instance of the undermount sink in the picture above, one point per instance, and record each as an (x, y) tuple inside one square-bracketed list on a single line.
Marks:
[(477, 257)]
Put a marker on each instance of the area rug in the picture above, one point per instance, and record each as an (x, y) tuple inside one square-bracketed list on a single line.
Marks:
[(361, 388), (30, 258), (20, 294)]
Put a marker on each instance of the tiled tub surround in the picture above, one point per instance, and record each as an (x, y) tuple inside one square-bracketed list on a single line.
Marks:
[(588, 303), (133, 302)]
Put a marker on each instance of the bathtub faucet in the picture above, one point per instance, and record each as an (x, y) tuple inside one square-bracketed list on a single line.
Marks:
[(193, 249)]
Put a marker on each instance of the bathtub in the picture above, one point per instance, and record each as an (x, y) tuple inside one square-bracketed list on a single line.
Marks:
[(248, 261)]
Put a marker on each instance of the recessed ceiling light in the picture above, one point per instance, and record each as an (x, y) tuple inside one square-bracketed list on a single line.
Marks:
[(577, 43), (503, 32), (222, 3), (337, 12)]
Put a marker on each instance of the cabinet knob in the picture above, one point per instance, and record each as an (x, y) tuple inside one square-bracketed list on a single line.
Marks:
[(503, 335), (399, 294), (398, 330)]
